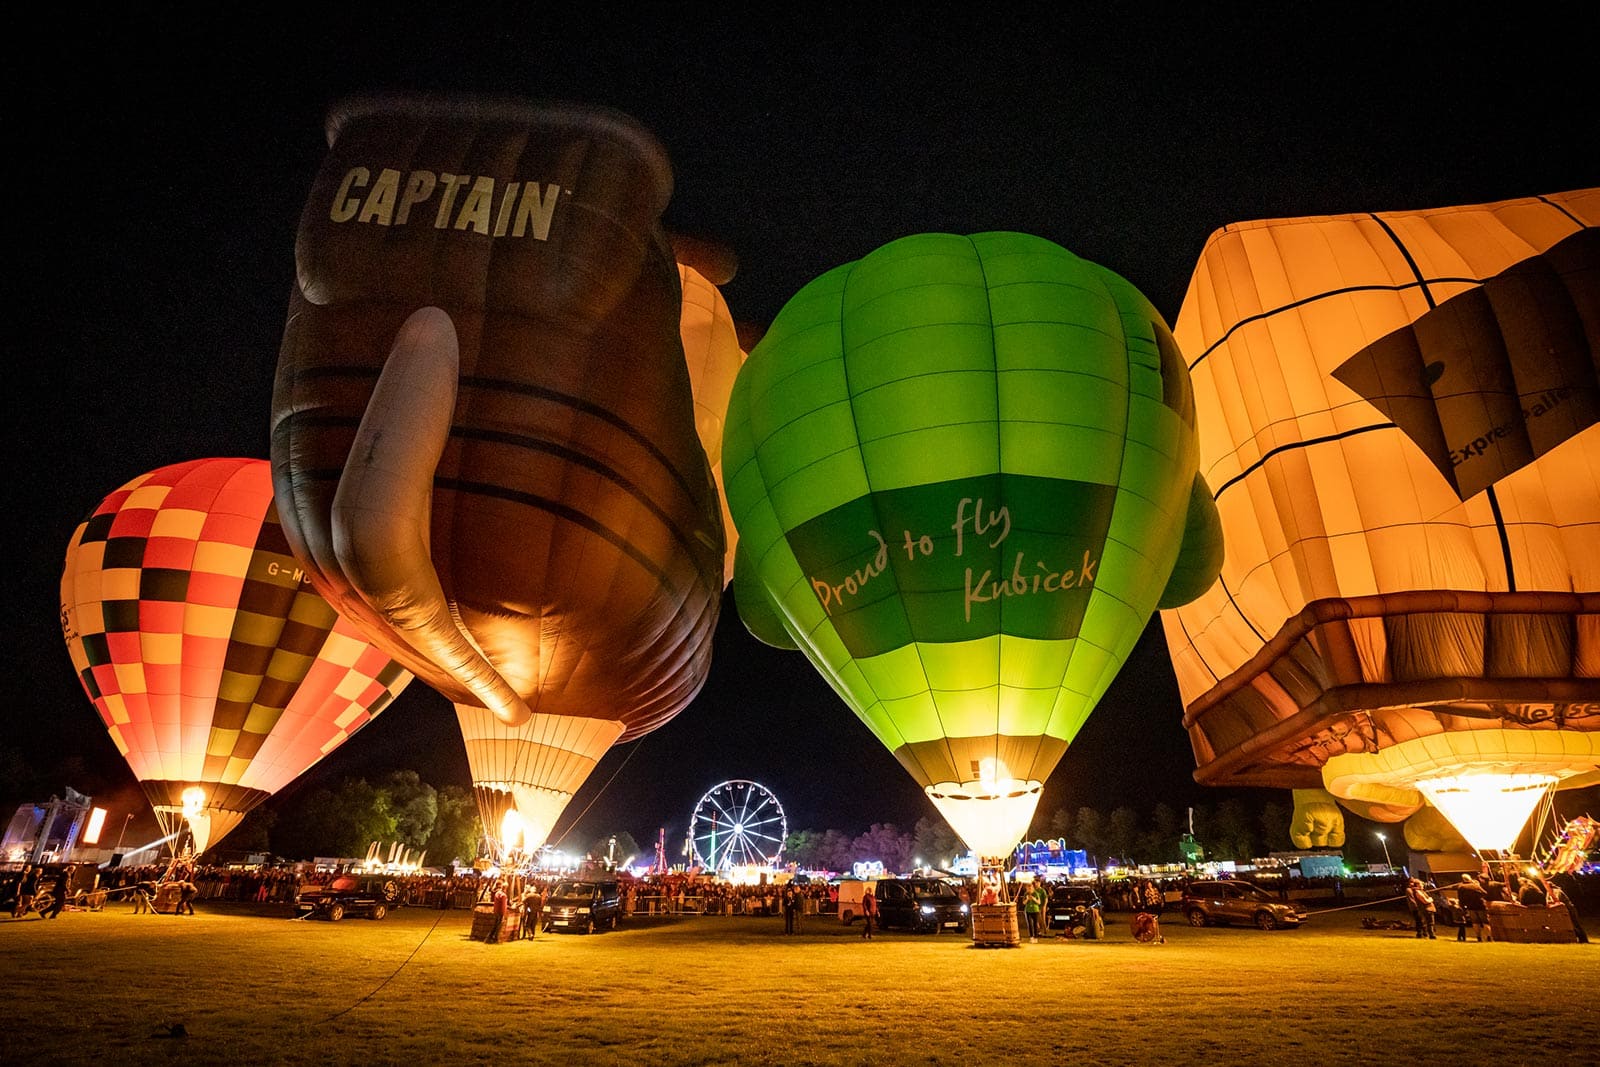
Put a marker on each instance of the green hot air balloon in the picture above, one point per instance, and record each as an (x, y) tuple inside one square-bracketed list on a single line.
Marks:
[(963, 472)]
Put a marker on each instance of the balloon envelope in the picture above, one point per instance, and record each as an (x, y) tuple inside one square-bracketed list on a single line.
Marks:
[(1400, 414), (962, 471), (484, 428), (219, 673), (711, 347)]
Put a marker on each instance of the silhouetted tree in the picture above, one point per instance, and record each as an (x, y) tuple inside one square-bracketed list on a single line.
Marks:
[(883, 841), (1230, 835), (1159, 841), (457, 829), (254, 832), (1088, 831), (1275, 818), (1122, 833), (339, 822), (1060, 825), (935, 843), (800, 848), (414, 805)]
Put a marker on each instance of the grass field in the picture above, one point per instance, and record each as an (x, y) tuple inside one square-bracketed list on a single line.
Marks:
[(251, 986)]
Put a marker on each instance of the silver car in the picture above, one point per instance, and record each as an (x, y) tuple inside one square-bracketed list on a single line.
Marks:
[(1226, 902)]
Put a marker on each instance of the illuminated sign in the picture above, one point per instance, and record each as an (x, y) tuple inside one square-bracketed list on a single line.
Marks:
[(97, 822)]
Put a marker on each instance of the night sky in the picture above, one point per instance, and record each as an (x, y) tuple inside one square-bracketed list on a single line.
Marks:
[(158, 167)]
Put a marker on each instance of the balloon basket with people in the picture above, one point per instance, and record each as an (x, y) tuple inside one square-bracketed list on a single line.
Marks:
[(994, 916)]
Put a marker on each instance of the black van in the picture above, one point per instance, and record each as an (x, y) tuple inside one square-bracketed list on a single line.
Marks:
[(921, 905), (583, 906)]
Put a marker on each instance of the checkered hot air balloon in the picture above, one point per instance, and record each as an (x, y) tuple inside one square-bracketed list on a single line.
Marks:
[(220, 674)]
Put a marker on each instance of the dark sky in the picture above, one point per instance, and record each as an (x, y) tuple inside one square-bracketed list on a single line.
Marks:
[(158, 165)]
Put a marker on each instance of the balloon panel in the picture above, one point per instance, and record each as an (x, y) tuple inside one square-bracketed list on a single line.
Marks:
[(1400, 414), (195, 635)]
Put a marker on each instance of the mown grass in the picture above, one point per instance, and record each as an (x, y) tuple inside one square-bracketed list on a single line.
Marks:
[(255, 987)]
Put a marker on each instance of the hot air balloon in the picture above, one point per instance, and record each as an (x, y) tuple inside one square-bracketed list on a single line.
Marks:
[(484, 435), (711, 347), (220, 674), (1398, 416), (963, 475)]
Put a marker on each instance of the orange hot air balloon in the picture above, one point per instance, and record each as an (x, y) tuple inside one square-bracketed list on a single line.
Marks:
[(484, 435), (1400, 416), (218, 671), (711, 347)]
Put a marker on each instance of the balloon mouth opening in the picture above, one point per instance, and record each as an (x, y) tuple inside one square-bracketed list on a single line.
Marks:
[(990, 815), (526, 824), (1491, 809), (1009, 789)]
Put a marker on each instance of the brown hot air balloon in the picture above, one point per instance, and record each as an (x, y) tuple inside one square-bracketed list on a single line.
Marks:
[(484, 436)]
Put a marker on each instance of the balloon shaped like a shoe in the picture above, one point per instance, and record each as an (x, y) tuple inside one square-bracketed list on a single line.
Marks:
[(484, 435)]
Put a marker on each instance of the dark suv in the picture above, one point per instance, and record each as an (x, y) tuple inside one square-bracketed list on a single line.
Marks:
[(921, 905), (372, 895), (584, 906), (1069, 906), (1227, 902)]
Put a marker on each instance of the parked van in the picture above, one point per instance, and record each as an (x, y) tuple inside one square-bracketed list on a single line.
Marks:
[(851, 891), (583, 906)]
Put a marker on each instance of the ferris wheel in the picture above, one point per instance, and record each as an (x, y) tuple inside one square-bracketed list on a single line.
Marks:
[(738, 823)]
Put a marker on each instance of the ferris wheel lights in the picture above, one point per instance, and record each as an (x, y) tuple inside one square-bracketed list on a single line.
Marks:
[(737, 824)]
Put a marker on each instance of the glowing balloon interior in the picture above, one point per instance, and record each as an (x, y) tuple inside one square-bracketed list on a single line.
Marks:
[(220, 675), (1490, 810), (963, 475)]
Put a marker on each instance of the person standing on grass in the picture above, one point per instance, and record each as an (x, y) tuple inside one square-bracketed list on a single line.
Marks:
[(532, 909), (869, 913), (500, 908), (1422, 907), (27, 889), (1031, 909), (59, 893), (1474, 909), (1556, 897)]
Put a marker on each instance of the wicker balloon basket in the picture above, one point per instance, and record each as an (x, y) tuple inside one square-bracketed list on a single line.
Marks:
[(995, 926)]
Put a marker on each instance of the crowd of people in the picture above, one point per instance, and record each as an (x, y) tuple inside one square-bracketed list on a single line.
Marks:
[(175, 886), (1475, 893)]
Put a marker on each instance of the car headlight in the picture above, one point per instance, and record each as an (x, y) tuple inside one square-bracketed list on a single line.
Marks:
[(927, 909), (963, 909), (583, 911)]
